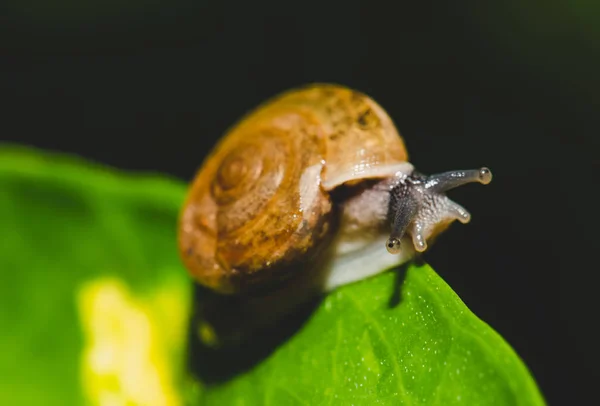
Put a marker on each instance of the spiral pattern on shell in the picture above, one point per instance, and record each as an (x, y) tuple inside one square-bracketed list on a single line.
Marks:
[(257, 203)]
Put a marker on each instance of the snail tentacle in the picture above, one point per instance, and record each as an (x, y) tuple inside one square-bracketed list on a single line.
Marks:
[(445, 181), (418, 237), (403, 209), (460, 213), (419, 206)]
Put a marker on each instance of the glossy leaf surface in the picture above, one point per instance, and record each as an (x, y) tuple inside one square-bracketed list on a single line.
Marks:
[(367, 345)]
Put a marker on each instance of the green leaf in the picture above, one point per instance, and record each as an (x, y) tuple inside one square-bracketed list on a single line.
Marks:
[(94, 300), (359, 348), (95, 304)]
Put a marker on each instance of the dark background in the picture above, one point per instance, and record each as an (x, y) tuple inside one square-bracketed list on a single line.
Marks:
[(149, 87)]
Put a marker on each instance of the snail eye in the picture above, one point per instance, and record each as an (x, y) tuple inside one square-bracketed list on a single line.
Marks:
[(393, 245)]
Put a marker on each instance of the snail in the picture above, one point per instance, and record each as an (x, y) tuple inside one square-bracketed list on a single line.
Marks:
[(319, 171), (312, 189)]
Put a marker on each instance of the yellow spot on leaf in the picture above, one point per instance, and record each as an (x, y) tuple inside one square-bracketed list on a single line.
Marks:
[(133, 345)]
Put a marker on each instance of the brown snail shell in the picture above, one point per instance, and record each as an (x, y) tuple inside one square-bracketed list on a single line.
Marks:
[(261, 202)]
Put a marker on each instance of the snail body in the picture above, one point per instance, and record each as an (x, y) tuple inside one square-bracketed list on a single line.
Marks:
[(316, 179)]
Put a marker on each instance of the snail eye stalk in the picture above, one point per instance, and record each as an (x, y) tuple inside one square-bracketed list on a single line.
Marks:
[(418, 205)]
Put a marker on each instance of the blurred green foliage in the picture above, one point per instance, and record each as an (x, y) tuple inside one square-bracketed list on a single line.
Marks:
[(68, 228)]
